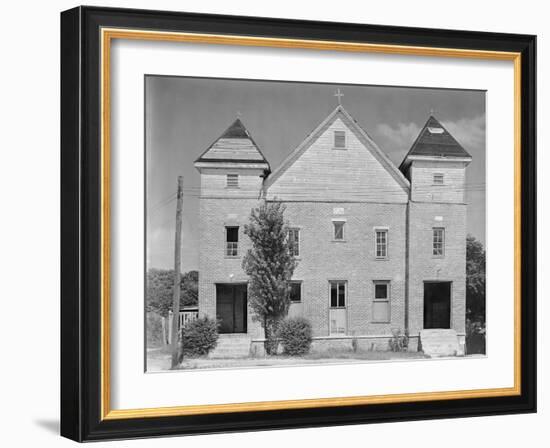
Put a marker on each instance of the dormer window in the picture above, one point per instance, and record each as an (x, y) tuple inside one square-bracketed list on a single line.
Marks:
[(339, 139), (438, 179), (232, 181)]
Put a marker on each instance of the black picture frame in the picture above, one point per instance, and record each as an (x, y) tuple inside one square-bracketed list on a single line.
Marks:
[(81, 224)]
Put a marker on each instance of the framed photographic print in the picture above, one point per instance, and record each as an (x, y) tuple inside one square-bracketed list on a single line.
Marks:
[(276, 224)]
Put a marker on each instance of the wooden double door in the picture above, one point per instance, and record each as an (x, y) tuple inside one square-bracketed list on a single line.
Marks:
[(231, 307)]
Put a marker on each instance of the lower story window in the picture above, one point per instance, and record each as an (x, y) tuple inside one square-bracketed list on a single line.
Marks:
[(381, 302), (337, 294), (337, 310)]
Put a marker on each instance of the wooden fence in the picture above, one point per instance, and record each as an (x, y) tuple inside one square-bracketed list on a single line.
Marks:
[(187, 314)]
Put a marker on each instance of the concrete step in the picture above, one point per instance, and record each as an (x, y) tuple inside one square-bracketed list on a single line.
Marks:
[(231, 346), (440, 342)]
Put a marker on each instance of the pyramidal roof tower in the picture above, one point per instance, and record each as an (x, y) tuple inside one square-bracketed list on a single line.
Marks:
[(436, 166), (434, 141), (234, 148)]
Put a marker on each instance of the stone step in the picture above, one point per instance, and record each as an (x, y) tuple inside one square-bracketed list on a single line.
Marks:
[(440, 342), (231, 346)]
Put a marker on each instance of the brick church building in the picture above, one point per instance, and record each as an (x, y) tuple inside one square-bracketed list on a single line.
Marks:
[(380, 247)]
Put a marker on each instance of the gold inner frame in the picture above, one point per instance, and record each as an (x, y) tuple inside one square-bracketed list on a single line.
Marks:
[(107, 35)]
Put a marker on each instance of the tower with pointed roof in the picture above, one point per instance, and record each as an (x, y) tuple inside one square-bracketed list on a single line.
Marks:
[(232, 170), (436, 162), (436, 168)]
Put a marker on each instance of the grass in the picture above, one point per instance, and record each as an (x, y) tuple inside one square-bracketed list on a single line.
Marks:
[(364, 355), (159, 359)]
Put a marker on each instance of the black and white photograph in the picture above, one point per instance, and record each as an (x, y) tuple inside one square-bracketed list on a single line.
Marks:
[(297, 223)]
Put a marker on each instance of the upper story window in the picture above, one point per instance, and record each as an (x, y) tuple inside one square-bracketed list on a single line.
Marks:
[(232, 241), (294, 242), (438, 179), (438, 241), (295, 291), (381, 302), (232, 181), (381, 242), (338, 229), (339, 139)]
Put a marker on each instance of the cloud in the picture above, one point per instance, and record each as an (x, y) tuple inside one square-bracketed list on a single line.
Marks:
[(160, 243), (398, 139), (469, 132)]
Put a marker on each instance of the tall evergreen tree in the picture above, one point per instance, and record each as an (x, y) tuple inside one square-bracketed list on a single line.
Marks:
[(270, 266)]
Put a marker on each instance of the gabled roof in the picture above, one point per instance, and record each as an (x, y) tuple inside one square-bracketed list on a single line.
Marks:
[(435, 141), (235, 145), (368, 142)]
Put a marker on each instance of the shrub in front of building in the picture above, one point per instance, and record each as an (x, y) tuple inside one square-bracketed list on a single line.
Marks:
[(295, 336), (399, 341), (199, 337)]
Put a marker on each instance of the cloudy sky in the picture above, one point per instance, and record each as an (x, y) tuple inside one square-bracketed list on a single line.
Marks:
[(185, 115)]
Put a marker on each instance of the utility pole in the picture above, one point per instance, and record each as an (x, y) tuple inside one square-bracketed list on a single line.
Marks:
[(177, 275)]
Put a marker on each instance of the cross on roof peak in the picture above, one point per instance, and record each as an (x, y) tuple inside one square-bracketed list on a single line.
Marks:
[(339, 95)]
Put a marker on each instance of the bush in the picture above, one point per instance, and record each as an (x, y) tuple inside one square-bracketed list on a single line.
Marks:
[(399, 341), (198, 337), (475, 337), (295, 335)]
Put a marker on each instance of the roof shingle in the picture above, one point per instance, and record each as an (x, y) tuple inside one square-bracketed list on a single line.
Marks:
[(435, 141), (234, 145)]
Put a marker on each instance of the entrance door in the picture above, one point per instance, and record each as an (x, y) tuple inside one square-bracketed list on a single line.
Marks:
[(231, 304), (437, 305), (337, 307)]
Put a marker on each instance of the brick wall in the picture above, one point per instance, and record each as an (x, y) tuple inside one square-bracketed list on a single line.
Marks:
[(423, 188), (322, 259), (425, 267), (354, 174), (214, 266)]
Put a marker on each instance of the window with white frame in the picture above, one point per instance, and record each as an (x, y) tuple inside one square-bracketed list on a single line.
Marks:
[(338, 294), (232, 181), (438, 241), (381, 302), (381, 242), (337, 307), (338, 230), (231, 241), (294, 242), (295, 291), (339, 139), (438, 179)]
